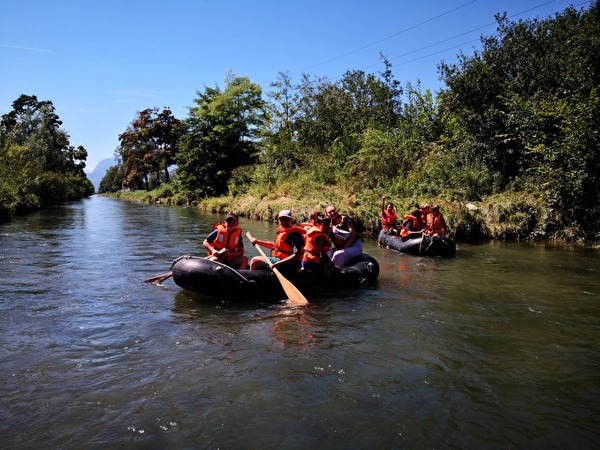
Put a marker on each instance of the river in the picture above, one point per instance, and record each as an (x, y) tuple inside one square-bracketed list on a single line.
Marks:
[(497, 348)]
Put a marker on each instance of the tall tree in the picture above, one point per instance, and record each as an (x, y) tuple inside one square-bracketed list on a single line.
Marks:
[(222, 132), (280, 147), (35, 125), (332, 116), (43, 168), (149, 145)]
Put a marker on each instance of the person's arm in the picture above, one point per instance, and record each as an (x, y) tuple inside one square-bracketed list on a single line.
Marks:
[(383, 206), (266, 244), (352, 229), (326, 263), (207, 243)]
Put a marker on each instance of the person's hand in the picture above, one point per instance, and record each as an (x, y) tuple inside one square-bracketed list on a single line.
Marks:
[(253, 242)]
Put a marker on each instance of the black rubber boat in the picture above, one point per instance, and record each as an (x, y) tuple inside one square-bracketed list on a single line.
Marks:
[(419, 245), (214, 279)]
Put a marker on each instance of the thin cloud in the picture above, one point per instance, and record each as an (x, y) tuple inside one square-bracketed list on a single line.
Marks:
[(32, 49)]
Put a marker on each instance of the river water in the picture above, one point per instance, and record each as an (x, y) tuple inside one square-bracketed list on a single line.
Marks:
[(497, 348)]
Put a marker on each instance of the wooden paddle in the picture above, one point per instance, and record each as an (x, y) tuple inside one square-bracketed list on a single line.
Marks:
[(158, 279), (295, 296)]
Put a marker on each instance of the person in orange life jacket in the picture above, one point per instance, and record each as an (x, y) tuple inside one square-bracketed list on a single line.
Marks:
[(343, 233), (312, 221), (225, 244), (424, 208), (413, 223), (435, 225), (286, 249), (315, 257), (389, 220)]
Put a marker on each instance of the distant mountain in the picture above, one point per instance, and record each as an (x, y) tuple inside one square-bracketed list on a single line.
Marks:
[(100, 170)]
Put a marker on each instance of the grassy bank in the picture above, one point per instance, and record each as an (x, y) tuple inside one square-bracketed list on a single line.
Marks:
[(510, 216)]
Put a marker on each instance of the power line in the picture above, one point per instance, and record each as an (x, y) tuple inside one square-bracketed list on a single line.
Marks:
[(427, 46), (463, 34), (385, 38)]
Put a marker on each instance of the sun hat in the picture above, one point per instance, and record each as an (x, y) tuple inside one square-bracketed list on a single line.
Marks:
[(231, 216), (285, 213)]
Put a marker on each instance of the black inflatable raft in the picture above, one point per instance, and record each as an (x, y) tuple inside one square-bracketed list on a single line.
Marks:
[(419, 245), (214, 279)]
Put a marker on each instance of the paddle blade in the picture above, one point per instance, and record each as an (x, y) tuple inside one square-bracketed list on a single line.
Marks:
[(158, 279), (295, 296)]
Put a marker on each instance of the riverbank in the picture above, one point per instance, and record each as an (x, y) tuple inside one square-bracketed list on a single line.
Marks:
[(511, 216)]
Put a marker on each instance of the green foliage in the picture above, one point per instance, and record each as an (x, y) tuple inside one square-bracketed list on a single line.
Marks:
[(381, 153), (240, 180)]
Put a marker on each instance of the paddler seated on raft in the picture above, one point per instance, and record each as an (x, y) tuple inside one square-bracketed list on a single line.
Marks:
[(435, 224), (412, 225), (343, 233), (225, 244), (389, 220), (286, 249), (315, 257), (312, 221)]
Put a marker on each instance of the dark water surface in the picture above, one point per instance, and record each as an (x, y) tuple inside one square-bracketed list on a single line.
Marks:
[(497, 348)]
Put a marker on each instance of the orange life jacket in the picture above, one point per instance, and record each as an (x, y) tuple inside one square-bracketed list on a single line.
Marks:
[(416, 225), (434, 224), (388, 220), (224, 239), (311, 249), (282, 249)]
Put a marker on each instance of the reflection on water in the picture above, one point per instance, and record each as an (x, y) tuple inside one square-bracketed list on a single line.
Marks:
[(495, 348)]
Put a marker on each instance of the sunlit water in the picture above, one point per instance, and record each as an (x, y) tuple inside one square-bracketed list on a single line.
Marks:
[(497, 348)]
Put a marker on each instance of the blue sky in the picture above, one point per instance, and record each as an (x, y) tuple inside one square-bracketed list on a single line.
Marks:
[(102, 61)]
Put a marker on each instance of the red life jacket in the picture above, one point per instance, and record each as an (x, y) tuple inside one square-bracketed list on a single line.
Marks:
[(282, 249), (434, 224), (388, 220), (224, 239), (416, 225), (311, 249)]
